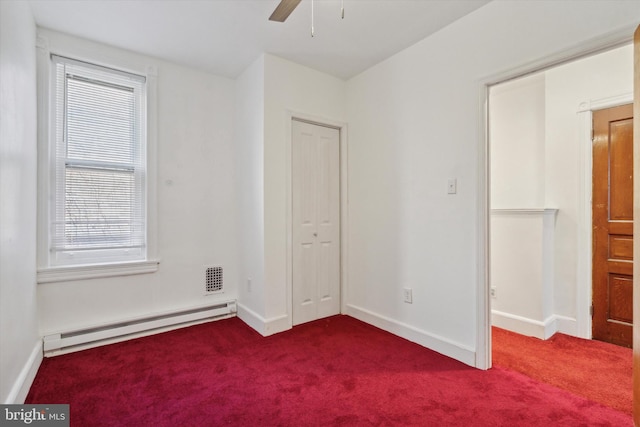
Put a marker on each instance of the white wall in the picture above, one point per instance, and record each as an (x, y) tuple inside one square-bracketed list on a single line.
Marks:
[(522, 270), (250, 192), (414, 123), (567, 87), (20, 347), (289, 89), (522, 299), (517, 153), (517, 135), (196, 200)]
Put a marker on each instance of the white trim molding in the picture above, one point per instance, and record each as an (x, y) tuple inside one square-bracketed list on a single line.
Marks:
[(546, 212), (47, 43), (433, 342), (23, 382), (534, 328), (608, 102), (264, 327), (483, 225), (63, 274)]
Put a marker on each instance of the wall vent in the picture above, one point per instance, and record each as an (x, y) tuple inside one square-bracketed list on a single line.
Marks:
[(214, 279)]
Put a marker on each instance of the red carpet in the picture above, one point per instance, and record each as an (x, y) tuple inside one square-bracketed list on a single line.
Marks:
[(593, 369), (332, 372)]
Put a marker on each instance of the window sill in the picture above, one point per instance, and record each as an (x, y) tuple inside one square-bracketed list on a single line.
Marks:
[(65, 274)]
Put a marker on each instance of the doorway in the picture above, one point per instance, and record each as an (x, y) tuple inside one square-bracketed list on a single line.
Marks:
[(316, 221), (532, 179)]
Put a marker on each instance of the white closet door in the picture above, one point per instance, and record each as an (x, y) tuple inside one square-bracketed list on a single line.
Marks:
[(316, 221)]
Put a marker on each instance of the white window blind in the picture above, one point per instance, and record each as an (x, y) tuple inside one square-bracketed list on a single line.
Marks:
[(99, 202)]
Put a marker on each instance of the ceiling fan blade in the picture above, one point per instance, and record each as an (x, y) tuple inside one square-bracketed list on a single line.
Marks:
[(283, 10)]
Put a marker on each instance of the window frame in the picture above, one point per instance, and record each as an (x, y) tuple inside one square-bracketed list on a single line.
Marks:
[(65, 162), (85, 52)]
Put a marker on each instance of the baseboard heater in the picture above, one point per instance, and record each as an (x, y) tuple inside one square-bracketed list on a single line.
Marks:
[(91, 337)]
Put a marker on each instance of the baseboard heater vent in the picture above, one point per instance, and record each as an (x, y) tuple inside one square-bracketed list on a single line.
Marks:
[(92, 337)]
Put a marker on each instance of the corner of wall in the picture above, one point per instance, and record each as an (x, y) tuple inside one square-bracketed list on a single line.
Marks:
[(441, 345), (21, 386), (264, 327), (20, 344)]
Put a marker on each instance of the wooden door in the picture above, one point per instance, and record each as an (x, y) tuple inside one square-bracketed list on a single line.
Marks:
[(612, 206), (316, 221)]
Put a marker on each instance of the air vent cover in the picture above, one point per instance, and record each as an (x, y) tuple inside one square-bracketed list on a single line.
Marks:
[(214, 279)]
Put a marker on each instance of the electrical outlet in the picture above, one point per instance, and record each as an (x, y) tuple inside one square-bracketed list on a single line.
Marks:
[(249, 285), (494, 292), (408, 295), (452, 186)]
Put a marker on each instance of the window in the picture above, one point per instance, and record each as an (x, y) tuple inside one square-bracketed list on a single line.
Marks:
[(97, 212)]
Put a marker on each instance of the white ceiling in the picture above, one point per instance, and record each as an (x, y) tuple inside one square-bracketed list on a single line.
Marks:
[(225, 36)]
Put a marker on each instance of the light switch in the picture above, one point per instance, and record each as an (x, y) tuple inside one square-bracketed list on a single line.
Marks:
[(452, 186)]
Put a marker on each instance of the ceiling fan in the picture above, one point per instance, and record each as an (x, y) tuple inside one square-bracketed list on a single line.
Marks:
[(285, 7), (283, 10)]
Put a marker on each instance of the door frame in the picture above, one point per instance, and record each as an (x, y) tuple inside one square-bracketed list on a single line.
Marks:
[(344, 211), (584, 290), (605, 42)]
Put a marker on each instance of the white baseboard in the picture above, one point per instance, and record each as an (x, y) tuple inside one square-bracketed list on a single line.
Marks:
[(251, 318), (534, 328), (23, 383), (277, 324), (441, 345), (264, 327), (567, 325)]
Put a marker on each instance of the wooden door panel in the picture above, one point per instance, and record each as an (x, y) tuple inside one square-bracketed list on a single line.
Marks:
[(621, 247), (621, 169), (613, 225), (620, 267), (620, 303), (621, 227)]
